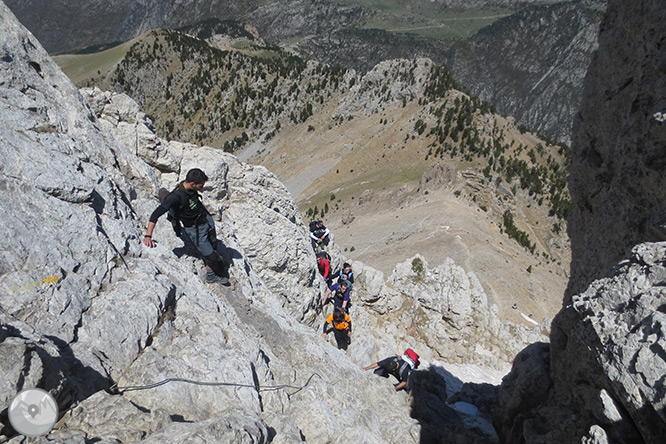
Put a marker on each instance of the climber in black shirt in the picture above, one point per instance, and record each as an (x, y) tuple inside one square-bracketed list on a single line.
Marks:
[(400, 367), (198, 228)]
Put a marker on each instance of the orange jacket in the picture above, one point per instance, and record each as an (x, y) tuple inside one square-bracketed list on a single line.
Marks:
[(345, 325)]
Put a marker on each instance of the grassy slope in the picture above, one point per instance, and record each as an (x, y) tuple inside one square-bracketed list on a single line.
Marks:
[(80, 68)]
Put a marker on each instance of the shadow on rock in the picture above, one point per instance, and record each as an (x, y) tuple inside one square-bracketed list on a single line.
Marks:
[(522, 390), (83, 380), (48, 364), (440, 421)]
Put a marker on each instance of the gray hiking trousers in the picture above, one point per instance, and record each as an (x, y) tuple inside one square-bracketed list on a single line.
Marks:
[(203, 239)]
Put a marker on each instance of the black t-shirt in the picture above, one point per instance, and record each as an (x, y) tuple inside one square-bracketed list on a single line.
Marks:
[(401, 373), (187, 206)]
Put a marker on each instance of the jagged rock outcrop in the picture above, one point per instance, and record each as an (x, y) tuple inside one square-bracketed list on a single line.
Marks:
[(602, 378), (603, 381), (132, 343), (419, 298)]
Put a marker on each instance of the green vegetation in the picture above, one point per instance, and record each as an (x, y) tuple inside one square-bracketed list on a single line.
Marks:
[(418, 267), (221, 98), (428, 19), (514, 233)]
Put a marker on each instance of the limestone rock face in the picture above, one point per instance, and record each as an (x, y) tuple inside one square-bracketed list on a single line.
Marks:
[(606, 368), (135, 346), (617, 179), (603, 378), (448, 307)]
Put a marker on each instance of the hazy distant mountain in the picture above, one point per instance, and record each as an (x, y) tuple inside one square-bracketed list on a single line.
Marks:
[(62, 25), (531, 64), (67, 24)]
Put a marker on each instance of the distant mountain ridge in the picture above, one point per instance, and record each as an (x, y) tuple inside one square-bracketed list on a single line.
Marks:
[(338, 34), (65, 25)]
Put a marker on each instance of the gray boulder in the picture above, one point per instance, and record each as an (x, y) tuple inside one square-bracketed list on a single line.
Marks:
[(606, 366)]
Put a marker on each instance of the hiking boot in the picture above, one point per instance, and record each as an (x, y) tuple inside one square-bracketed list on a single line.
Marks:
[(212, 278)]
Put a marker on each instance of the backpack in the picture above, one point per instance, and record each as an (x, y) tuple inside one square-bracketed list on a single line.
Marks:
[(172, 216), (411, 354)]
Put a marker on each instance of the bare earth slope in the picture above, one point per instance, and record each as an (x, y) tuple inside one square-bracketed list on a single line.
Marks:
[(382, 211)]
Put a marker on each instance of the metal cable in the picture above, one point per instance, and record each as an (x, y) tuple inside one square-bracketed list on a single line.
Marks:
[(257, 387)]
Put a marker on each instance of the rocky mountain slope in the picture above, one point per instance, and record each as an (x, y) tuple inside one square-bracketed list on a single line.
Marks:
[(96, 319), (85, 306)]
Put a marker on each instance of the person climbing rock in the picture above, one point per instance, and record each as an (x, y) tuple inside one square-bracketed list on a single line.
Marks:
[(400, 367), (340, 295), (345, 273), (198, 227), (342, 328), (319, 234), (324, 265)]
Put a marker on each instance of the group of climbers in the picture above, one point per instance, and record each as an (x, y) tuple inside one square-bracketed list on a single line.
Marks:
[(339, 289), (339, 286), (195, 226)]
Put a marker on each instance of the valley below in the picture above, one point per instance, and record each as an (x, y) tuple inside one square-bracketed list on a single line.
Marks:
[(385, 204), (396, 161)]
